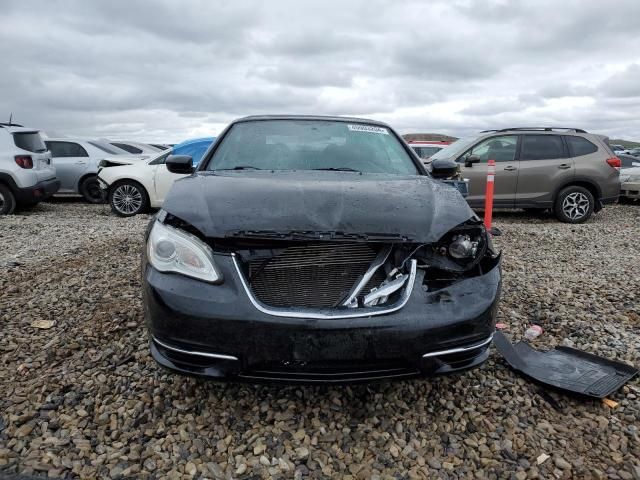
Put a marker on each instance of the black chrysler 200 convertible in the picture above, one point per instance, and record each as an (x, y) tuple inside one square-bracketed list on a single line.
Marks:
[(316, 250)]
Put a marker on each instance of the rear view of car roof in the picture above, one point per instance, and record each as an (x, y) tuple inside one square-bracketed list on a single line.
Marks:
[(310, 117), (15, 128)]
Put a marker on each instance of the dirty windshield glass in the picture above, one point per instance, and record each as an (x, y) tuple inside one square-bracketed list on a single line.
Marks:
[(312, 145)]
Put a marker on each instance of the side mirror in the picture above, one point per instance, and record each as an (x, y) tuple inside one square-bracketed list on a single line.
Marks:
[(470, 160), (180, 164), (444, 168)]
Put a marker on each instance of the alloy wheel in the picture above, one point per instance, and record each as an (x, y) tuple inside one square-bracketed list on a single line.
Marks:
[(127, 199), (1, 201), (575, 205)]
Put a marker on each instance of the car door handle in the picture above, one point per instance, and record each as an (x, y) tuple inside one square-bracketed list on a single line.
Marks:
[(509, 168), (564, 166)]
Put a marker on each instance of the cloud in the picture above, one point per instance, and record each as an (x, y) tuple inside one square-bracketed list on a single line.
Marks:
[(623, 84), (566, 90), (164, 71), (503, 105)]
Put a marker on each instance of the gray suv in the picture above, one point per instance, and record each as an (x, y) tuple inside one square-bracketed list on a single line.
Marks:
[(26, 174), (568, 170)]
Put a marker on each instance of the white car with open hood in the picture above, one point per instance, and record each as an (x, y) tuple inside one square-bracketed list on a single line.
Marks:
[(132, 187)]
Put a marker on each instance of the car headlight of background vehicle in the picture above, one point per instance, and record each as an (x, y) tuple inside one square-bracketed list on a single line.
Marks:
[(173, 250)]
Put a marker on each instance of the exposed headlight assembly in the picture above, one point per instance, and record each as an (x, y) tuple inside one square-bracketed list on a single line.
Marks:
[(459, 250), (176, 251), (463, 247)]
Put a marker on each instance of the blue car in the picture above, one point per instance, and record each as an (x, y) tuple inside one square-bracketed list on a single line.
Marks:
[(194, 147)]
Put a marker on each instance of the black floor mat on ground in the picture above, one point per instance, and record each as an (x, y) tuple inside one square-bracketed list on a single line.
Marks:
[(566, 368)]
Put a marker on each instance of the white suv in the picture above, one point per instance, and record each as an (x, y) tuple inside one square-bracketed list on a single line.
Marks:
[(26, 174)]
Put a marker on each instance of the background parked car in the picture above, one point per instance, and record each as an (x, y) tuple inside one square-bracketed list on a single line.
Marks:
[(628, 161), (131, 187), (26, 173), (425, 149), (635, 152), (76, 162), (619, 149), (136, 148), (629, 177), (630, 184), (568, 170), (195, 148)]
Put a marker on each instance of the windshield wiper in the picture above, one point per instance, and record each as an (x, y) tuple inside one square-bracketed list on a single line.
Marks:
[(239, 167), (338, 169)]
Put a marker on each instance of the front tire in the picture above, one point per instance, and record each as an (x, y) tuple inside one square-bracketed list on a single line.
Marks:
[(128, 198), (90, 190), (574, 204), (7, 200)]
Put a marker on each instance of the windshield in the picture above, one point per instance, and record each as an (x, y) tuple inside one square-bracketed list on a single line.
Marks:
[(127, 147), (105, 147), (312, 145), (160, 158), (455, 149)]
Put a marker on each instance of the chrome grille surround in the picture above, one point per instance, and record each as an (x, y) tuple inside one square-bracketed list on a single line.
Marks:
[(328, 313)]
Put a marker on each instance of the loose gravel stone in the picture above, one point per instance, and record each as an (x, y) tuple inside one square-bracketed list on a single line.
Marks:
[(83, 399)]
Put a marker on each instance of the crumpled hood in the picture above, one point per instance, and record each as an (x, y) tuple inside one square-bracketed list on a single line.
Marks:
[(331, 204), (125, 159)]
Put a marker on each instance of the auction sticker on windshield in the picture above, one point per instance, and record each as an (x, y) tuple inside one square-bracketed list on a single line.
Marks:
[(368, 129)]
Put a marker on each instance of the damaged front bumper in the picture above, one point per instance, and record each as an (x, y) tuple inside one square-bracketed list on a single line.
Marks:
[(221, 332)]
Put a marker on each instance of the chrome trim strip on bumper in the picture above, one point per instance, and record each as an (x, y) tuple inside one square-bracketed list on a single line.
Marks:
[(217, 356), (328, 314), (459, 349)]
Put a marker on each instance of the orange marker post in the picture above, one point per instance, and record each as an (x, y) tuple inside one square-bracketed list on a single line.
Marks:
[(488, 198)]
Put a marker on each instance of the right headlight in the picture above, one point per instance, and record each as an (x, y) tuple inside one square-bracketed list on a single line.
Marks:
[(173, 250), (465, 245)]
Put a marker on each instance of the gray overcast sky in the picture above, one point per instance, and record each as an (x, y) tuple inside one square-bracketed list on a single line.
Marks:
[(166, 71)]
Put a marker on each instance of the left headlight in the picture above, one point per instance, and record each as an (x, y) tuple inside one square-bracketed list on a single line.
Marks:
[(173, 250)]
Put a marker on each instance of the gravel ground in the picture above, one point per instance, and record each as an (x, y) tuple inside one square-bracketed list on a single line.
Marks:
[(84, 399)]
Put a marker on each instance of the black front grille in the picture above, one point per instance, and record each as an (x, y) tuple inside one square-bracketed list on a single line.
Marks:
[(315, 275)]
